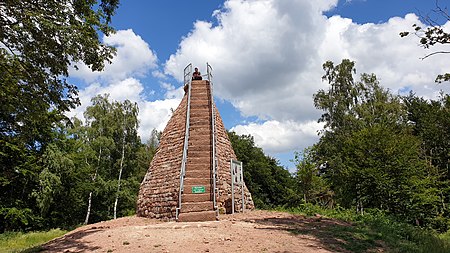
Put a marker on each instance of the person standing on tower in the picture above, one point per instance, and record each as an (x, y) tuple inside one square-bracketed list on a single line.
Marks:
[(196, 75)]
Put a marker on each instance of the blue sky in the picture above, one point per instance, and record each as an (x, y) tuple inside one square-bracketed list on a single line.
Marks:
[(266, 56)]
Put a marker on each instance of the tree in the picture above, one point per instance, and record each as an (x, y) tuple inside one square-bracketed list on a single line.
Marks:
[(433, 34), (269, 183), (39, 40), (99, 134), (430, 121), (366, 150), (310, 184), (111, 129), (127, 112)]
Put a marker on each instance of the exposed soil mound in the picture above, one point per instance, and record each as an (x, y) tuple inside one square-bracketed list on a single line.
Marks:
[(256, 231)]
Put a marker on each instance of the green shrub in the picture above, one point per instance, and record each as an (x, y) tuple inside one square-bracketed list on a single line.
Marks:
[(19, 241)]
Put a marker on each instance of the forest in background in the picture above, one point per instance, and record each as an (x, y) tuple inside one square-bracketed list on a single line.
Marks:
[(377, 151)]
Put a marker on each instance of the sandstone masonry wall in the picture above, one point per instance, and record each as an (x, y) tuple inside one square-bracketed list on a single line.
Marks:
[(158, 193), (159, 190)]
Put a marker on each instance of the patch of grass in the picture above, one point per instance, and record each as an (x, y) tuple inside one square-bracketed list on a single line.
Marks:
[(27, 242), (370, 231)]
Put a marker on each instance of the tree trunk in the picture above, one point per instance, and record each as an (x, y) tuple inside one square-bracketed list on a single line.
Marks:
[(118, 183), (88, 213), (120, 171), (88, 209)]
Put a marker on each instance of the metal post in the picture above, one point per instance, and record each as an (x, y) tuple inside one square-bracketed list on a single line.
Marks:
[(232, 186), (242, 186), (213, 137)]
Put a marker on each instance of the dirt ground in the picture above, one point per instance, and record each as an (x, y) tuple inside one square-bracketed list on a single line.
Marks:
[(255, 231)]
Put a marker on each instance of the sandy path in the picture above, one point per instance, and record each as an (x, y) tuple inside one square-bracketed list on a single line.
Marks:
[(256, 231)]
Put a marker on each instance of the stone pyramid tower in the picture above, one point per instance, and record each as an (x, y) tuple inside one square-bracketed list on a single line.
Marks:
[(189, 178)]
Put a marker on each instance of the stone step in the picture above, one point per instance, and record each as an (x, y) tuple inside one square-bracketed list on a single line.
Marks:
[(197, 154), (199, 122), (197, 206), (205, 97), (199, 142), (199, 103), (200, 96), (199, 91), (200, 86), (204, 116), (199, 164), (196, 150), (199, 106), (199, 137), (199, 160), (205, 172), (197, 182), (196, 197), (200, 148), (197, 216), (188, 186), (197, 84), (205, 130), (203, 127), (206, 119)]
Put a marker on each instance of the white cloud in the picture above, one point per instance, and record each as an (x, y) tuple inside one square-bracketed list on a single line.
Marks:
[(171, 91), (134, 58), (121, 81), (158, 74), (129, 88), (279, 137), (152, 114), (267, 58)]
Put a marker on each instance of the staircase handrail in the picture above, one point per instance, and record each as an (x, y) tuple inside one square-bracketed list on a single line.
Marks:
[(213, 136), (187, 81)]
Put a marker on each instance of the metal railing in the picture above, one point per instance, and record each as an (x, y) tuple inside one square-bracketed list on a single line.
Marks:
[(213, 136), (187, 81)]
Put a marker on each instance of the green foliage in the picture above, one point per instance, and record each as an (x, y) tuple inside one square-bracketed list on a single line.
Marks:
[(269, 183), (432, 35), (430, 121), (310, 184), (112, 145), (365, 233), (16, 219), (20, 242), (101, 162), (367, 151), (38, 43)]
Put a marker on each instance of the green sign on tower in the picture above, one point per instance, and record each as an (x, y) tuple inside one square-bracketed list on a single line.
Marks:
[(198, 189)]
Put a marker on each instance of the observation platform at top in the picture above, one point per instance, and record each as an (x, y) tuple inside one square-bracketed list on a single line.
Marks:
[(190, 76)]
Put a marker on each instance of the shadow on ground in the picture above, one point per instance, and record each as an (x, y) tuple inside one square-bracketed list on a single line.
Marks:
[(332, 234), (70, 242)]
